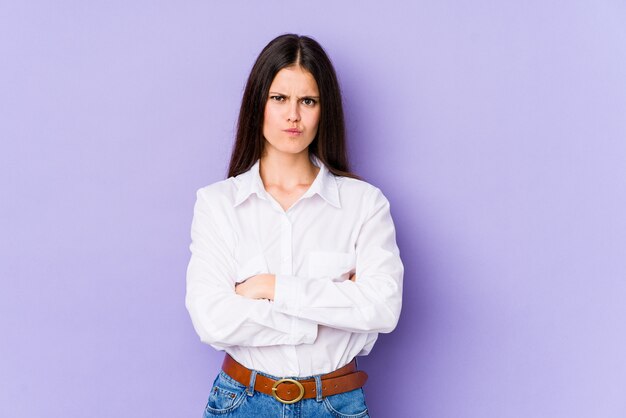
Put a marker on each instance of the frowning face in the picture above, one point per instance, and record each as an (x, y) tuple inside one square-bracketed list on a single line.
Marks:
[(292, 111)]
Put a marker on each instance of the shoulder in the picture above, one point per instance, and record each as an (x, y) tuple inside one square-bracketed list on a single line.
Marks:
[(219, 189), (361, 196), (217, 195), (355, 187)]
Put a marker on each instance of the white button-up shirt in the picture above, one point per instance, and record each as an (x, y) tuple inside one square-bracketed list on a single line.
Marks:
[(319, 319)]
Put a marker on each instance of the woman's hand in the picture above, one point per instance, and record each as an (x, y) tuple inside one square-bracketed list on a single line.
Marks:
[(260, 286)]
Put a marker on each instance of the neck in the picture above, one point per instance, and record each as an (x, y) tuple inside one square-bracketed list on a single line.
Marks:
[(287, 170)]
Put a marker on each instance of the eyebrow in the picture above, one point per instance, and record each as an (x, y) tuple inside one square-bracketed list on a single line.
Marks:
[(301, 97)]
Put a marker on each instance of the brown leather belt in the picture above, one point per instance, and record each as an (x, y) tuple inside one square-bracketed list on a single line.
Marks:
[(342, 380)]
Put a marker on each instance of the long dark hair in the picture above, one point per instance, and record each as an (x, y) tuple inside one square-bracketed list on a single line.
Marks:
[(329, 144)]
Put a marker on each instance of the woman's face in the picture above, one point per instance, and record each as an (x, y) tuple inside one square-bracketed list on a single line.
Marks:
[(292, 111)]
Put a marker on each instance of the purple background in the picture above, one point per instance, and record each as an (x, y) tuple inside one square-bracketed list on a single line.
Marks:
[(496, 129)]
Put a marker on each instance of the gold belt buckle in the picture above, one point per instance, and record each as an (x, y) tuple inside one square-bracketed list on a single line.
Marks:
[(295, 382)]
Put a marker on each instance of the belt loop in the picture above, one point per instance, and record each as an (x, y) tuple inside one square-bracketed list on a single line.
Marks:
[(318, 388), (250, 390)]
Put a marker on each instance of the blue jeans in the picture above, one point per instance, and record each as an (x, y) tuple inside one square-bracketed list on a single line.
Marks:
[(230, 398)]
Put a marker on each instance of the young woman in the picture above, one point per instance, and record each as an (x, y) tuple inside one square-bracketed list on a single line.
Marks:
[(294, 268)]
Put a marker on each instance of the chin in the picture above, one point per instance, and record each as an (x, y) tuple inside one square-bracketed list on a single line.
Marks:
[(290, 148), (293, 151)]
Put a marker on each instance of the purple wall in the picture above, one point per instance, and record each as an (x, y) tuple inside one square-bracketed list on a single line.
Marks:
[(497, 131)]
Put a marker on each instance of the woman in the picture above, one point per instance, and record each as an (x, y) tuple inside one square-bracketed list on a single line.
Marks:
[(294, 268)]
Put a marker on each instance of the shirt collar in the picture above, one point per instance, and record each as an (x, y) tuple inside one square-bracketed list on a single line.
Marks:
[(325, 184)]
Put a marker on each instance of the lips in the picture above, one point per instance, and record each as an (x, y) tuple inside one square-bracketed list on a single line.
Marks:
[(293, 131)]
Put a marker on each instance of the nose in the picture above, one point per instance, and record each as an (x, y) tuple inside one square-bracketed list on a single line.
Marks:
[(294, 112)]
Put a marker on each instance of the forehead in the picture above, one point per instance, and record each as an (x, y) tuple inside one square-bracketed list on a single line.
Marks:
[(295, 79)]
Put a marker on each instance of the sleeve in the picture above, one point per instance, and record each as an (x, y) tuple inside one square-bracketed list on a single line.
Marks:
[(220, 316), (370, 304)]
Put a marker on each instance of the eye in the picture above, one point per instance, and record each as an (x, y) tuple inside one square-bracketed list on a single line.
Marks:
[(308, 101), (277, 98)]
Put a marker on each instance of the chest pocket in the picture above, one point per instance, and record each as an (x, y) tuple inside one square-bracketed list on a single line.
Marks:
[(330, 264)]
